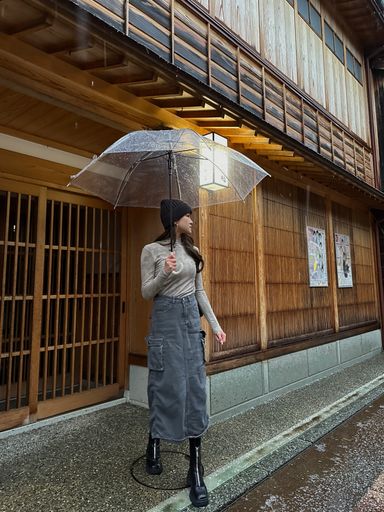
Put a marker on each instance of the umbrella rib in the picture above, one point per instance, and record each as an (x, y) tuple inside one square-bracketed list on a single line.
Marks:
[(128, 174)]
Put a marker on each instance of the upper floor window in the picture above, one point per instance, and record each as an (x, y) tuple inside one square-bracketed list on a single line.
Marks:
[(334, 43), (354, 66), (310, 15)]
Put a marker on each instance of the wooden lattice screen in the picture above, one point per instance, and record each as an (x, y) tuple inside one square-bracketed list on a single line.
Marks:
[(60, 318), (357, 304), (231, 271), (18, 221), (80, 321), (293, 308)]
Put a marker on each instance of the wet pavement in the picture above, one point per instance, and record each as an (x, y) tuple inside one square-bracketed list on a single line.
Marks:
[(341, 472), (93, 462)]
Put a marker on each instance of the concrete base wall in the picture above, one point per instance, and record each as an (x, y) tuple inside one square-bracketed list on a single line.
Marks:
[(237, 390)]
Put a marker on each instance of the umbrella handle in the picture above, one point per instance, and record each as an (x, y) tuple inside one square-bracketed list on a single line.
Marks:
[(175, 272)]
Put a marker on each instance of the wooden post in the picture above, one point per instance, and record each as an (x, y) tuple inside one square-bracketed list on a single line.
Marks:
[(205, 251), (209, 50), (37, 305), (260, 277), (239, 94), (172, 49), (126, 24), (125, 340)]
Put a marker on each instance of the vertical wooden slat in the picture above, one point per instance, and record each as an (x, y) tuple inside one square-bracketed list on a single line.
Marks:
[(37, 304), (302, 121), (332, 265), (354, 157), (48, 303), (258, 222), (375, 265), (318, 132), (66, 303), (332, 142), (204, 250), (83, 300), (209, 51), (285, 107), (99, 318), (57, 304), (172, 34), (75, 299), (13, 307), (123, 347), (106, 299), (4, 272), (126, 23), (264, 92), (92, 277), (25, 283), (239, 92)]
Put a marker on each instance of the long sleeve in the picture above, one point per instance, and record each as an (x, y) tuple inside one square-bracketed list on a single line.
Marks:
[(205, 305), (151, 284)]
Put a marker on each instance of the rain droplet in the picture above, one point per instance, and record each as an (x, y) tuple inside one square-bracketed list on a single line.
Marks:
[(92, 83), (76, 125)]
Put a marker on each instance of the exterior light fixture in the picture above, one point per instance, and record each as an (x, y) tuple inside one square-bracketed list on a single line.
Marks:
[(213, 171)]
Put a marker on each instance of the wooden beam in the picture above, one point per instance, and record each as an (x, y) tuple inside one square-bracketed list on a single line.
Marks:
[(53, 78), (219, 124), (287, 158), (32, 26), (103, 64), (228, 132), (68, 47), (137, 80), (271, 152), (246, 139), (261, 146), (201, 114), (162, 91), (179, 103)]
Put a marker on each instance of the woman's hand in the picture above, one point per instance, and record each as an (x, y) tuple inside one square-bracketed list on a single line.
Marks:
[(221, 337), (170, 263)]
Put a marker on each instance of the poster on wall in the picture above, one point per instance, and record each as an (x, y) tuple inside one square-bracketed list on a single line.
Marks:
[(317, 257), (343, 261)]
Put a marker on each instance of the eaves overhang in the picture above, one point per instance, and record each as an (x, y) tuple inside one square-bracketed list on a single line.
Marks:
[(124, 84), (366, 17)]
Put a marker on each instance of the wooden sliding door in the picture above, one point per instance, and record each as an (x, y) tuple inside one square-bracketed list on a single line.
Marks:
[(60, 303)]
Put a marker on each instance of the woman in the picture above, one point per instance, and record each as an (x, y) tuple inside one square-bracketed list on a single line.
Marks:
[(176, 381)]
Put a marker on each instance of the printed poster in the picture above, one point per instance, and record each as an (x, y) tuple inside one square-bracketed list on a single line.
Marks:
[(343, 261), (317, 257)]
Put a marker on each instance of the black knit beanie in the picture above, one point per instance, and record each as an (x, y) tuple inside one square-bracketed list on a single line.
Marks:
[(179, 209)]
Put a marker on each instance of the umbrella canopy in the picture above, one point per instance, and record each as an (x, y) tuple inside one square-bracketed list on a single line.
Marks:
[(144, 167)]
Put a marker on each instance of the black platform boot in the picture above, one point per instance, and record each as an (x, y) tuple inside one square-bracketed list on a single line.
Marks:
[(198, 493), (153, 464)]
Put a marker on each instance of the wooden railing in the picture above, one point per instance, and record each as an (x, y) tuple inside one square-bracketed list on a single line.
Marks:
[(183, 34)]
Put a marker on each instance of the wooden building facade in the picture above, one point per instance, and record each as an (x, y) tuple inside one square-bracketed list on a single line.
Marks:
[(294, 84)]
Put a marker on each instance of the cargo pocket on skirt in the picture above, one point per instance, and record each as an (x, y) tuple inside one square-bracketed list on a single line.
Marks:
[(202, 338), (155, 354)]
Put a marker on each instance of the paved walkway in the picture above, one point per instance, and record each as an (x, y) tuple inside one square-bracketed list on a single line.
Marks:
[(373, 500), (331, 475), (87, 463)]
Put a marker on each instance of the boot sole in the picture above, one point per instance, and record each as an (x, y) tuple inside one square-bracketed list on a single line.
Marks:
[(198, 503)]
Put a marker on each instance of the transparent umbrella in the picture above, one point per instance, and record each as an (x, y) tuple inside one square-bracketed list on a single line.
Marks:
[(146, 166)]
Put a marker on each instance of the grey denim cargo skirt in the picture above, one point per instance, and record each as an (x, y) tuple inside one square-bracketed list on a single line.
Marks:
[(177, 378)]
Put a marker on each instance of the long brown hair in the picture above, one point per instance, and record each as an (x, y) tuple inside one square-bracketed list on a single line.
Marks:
[(187, 242)]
